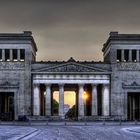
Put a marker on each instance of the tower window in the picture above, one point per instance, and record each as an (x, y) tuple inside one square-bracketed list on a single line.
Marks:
[(126, 55), (0, 54), (134, 56), (118, 55), (15, 54), (7, 54), (22, 54)]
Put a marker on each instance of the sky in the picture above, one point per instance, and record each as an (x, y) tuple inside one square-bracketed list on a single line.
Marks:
[(69, 97), (70, 28)]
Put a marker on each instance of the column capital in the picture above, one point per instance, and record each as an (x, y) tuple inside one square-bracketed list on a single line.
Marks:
[(61, 85), (48, 85), (36, 84), (81, 85), (106, 84), (94, 85)]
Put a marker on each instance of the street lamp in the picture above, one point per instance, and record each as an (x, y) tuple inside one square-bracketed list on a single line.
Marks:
[(85, 96)]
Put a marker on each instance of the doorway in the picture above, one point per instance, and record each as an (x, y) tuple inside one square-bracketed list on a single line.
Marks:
[(133, 106), (6, 106)]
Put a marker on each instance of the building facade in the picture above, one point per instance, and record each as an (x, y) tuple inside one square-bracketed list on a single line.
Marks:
[(112, 86)]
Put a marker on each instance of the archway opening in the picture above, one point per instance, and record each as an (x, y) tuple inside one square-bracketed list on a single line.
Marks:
[(55, 103), (7, 106), (133, 107), (70, 106), (87, 99)]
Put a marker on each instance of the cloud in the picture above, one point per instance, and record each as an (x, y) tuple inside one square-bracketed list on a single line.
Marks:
[(64, 28)]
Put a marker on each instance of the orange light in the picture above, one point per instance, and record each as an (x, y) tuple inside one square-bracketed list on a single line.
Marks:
[(85, 95)]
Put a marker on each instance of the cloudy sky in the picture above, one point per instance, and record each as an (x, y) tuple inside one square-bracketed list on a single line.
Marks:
[(65, 28)]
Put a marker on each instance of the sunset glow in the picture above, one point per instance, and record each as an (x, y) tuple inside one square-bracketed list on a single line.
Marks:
[(69, 97)]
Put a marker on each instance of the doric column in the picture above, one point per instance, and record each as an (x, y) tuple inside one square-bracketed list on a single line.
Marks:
[(138, 56), (122, 55), (81, 101), (36, 100), (105, 100), (18, 54), (3, 55), (48, 100), (11, 55), (61, 100), (130, 55), (94, 110)]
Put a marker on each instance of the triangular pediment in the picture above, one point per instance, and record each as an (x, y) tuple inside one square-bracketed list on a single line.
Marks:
[(70, 67)]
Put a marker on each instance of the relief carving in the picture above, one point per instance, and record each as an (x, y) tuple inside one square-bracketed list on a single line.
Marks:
[(11, 65), (133, 85), (7, 83), (70, 68), (128, 66)]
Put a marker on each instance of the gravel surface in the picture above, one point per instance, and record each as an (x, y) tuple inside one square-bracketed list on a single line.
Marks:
[(56, 132)]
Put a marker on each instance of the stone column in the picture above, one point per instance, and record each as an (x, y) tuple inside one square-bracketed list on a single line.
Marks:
[(122, 55), (138, 56), (36, 100), (61, 101), (3, 55), (105, 100), (130, 55), (11, 55), (94, 110), (134, 108), (48, 100), (81, 101), (18, 54)]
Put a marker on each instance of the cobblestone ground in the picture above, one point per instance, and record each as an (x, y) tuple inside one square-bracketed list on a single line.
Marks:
[(61, 132)]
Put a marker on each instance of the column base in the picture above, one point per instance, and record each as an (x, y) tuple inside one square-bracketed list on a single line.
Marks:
[(80, 118)]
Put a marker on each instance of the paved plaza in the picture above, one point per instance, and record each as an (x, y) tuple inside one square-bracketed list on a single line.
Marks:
[(71, 131)]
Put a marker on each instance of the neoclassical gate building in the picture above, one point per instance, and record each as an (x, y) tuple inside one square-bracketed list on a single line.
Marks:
[(112, 86)]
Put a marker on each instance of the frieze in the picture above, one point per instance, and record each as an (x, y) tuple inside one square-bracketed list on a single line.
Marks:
[(128, 66), (6, 83), (12, 65), (71, 67), (133, 85)]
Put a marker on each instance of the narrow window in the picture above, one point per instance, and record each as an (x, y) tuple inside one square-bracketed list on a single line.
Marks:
[(126, 55), (0, 54), (15, 54), (22, 54), (7, 55), (134, 59), (118, 55)]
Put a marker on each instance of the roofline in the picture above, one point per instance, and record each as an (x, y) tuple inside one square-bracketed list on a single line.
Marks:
[(58, 62), (88, 73), (116, 36), (26, 35)]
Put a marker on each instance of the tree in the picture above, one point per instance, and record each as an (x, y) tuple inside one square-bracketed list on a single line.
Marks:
[(55, 106), (72, 112)]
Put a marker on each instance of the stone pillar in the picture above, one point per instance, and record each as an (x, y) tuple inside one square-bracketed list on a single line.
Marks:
[(122, 55), (130, 55), (61, 101), (134, 108), (94, 110), (11, 55), (138, 56), (48, 100), (81, 101), (36, 100), (105, 100), (3, 55), (18, 54)]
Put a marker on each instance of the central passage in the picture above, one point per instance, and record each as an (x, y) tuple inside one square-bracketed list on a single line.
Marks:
[(69, 103)]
